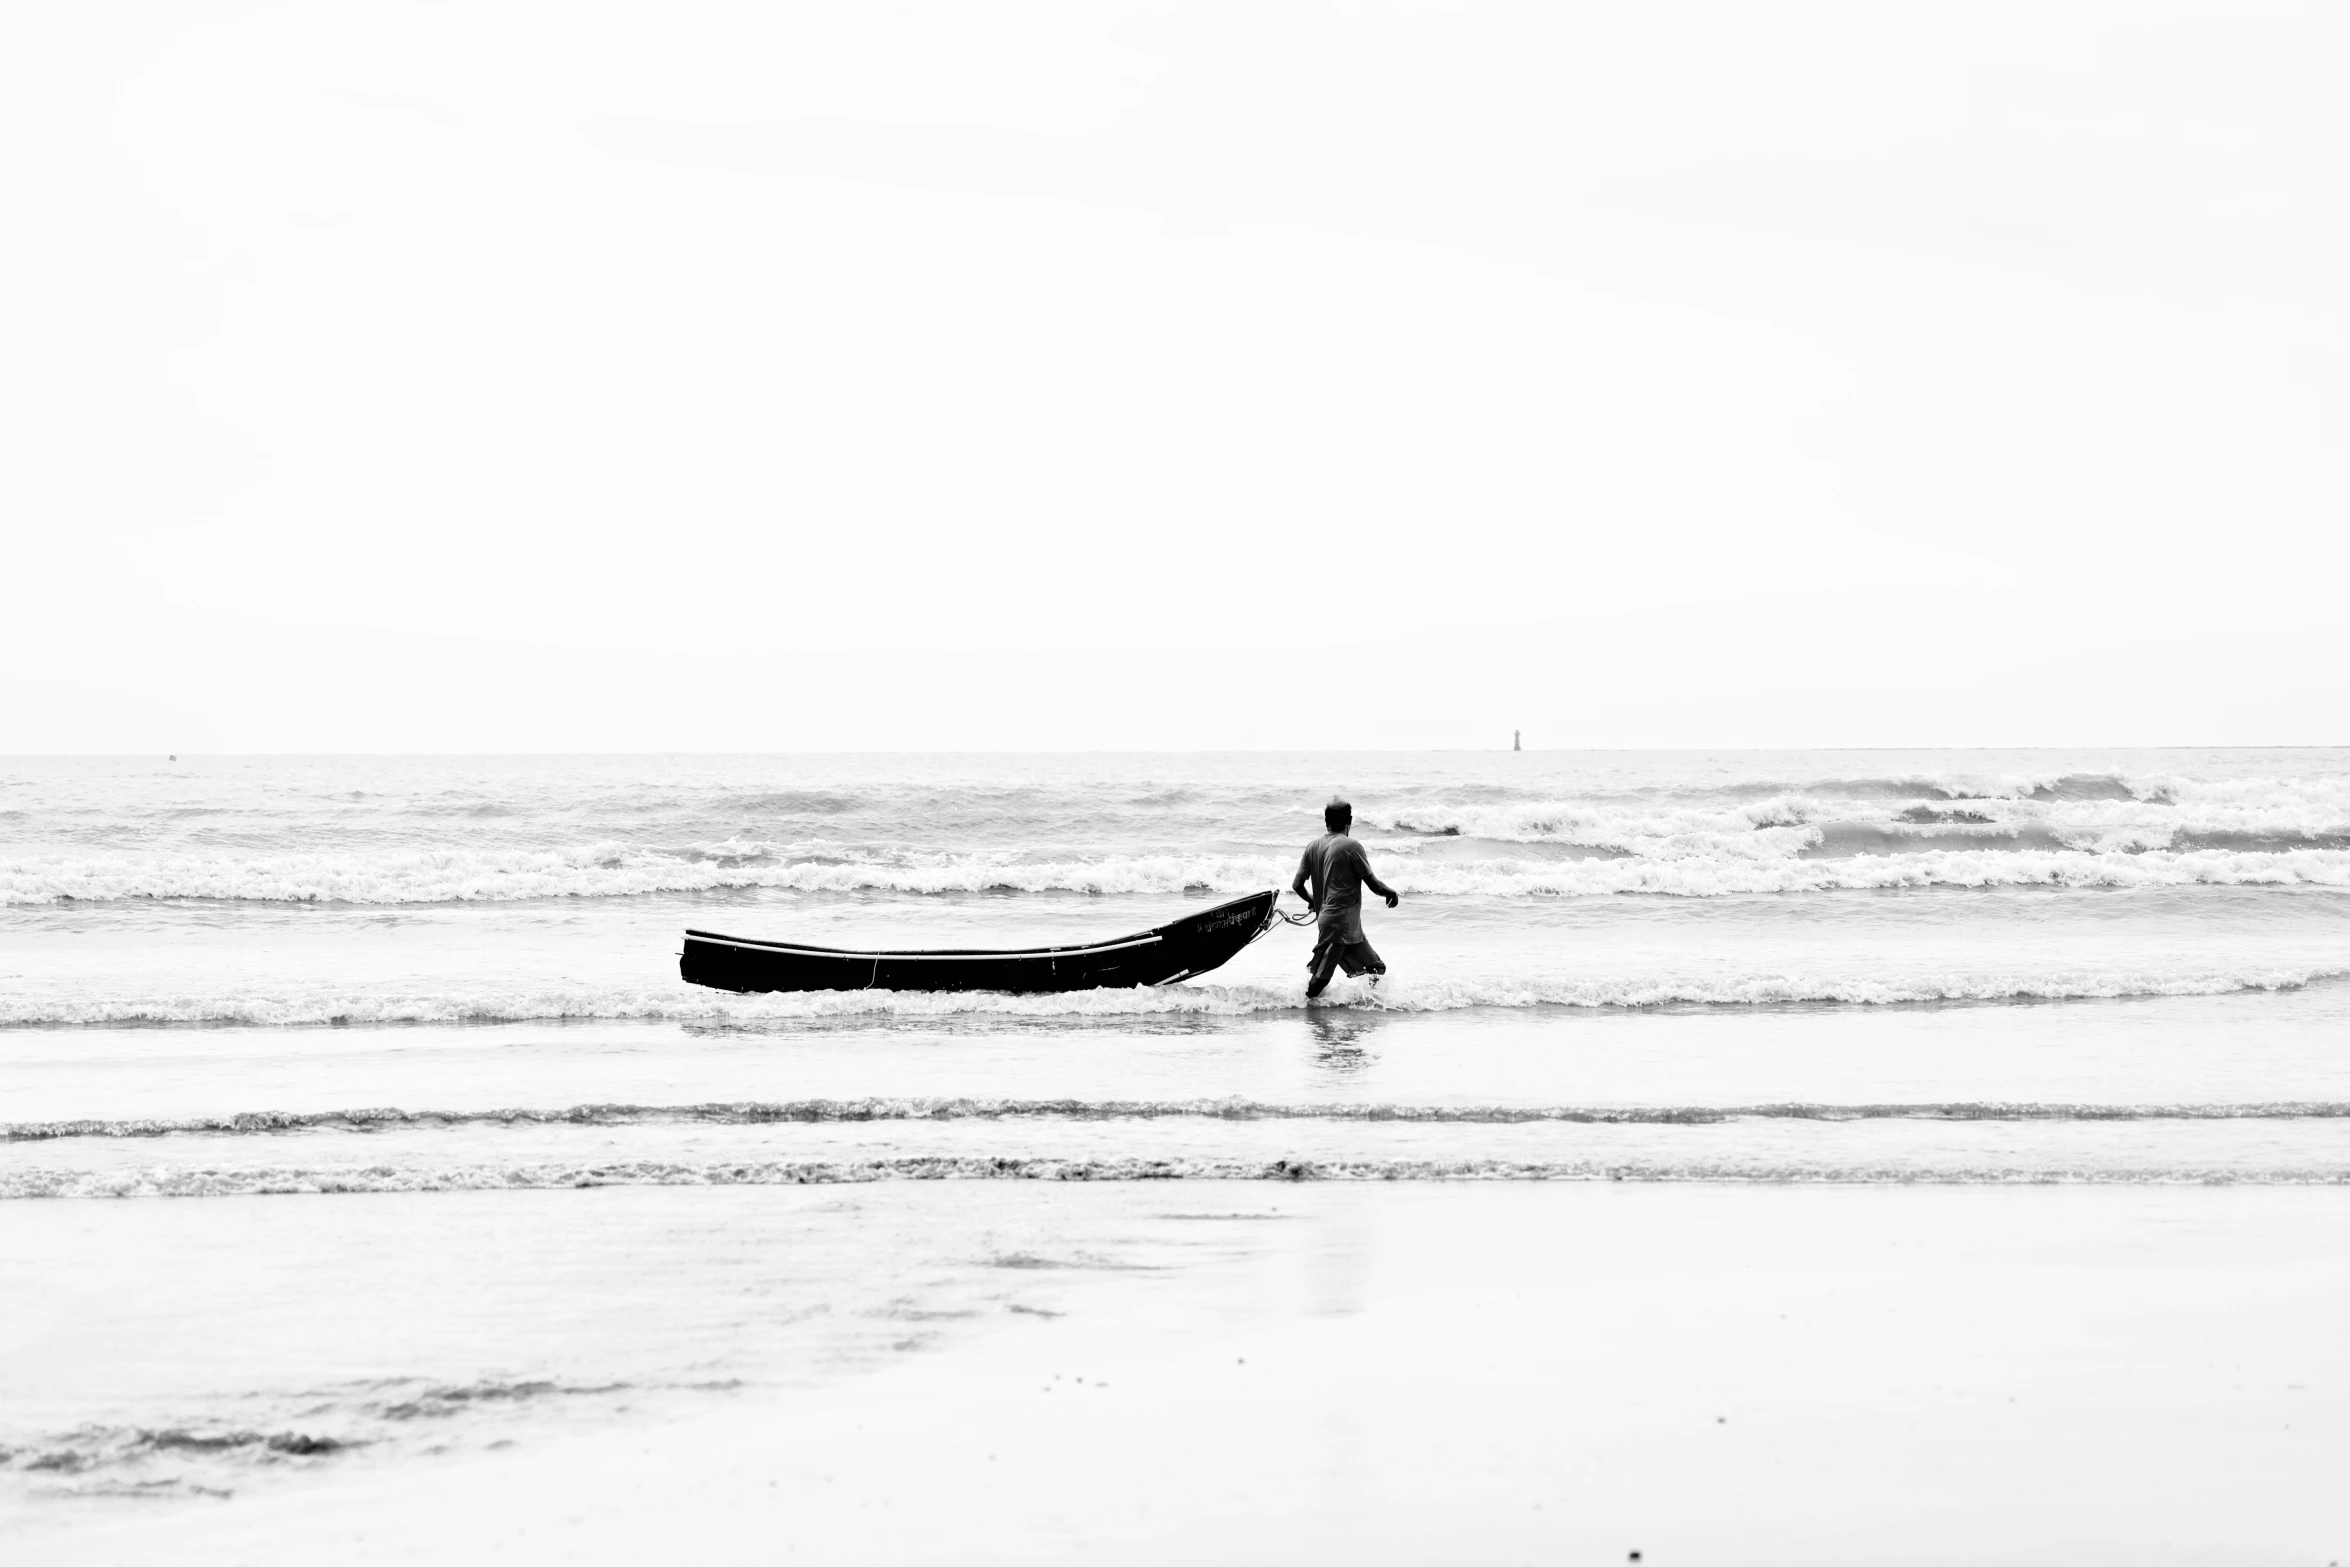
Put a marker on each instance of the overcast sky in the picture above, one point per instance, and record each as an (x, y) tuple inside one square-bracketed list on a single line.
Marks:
[(509, 375)]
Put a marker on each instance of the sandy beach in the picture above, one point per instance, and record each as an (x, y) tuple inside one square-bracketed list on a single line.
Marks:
[(1414, 1373)]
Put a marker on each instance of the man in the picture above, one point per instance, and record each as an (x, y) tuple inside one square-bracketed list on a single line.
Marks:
[(1339, 871)]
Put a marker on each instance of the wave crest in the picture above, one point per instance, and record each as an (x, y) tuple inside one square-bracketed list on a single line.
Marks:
[(685, 1004), (295, 1180), (918, 1108), (1804, 860)]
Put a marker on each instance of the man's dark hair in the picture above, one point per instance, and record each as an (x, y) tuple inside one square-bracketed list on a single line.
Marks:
[(1338, 816)]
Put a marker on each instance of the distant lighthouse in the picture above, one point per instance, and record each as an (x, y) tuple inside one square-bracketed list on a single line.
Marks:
[(1514, 736)]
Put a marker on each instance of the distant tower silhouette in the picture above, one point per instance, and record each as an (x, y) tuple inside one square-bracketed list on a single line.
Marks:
[(1514, 737)]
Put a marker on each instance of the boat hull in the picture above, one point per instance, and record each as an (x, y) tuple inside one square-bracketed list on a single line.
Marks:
[(1161, 956)]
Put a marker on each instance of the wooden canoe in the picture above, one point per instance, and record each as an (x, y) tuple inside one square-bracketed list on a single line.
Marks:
[(1191, 945)]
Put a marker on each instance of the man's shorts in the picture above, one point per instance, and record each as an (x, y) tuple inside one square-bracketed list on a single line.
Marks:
[(1332, 953)]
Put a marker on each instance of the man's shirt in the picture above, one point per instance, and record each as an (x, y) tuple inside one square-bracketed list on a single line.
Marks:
[(1336, 866)]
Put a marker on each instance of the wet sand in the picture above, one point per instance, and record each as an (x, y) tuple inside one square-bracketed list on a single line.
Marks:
[(1436, 1373)]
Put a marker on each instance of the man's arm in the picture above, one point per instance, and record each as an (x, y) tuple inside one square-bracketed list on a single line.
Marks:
[(1304, 865), (1371, 881)]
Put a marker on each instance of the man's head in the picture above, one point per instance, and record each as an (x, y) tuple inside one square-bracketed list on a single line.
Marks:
[(1338, 816)]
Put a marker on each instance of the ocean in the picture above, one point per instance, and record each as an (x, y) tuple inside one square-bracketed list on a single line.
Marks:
[(444, 1159)]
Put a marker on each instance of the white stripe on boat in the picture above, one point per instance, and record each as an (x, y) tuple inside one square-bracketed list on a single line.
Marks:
[(949, 957)]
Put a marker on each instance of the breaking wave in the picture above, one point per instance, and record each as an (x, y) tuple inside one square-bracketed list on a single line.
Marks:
[(1788, 859), (2103, 816), (827, 1111), (595, 871), (684, 1004), (1693, 833), (544, 1175)]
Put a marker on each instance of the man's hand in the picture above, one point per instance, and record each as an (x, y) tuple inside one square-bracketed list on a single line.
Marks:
[(1393, 899)]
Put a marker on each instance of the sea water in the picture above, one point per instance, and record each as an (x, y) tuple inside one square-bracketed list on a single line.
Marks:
[(403, 1042)]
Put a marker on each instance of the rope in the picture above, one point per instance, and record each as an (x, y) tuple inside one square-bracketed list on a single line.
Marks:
[(1286, 919)]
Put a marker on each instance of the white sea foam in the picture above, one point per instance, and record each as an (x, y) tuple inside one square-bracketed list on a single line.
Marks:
[(299, 1180), (686, 1004), (1756, 863), (270, 1123), (601, 870), (483, 830), (2175, 814)]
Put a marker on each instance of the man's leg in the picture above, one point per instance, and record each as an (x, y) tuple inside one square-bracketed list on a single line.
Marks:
[(1327, 954)]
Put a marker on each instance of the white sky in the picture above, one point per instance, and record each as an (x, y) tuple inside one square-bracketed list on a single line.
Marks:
[(508, 375)]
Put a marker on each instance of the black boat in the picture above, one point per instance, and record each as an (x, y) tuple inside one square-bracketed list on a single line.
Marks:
[(1191, 945)]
